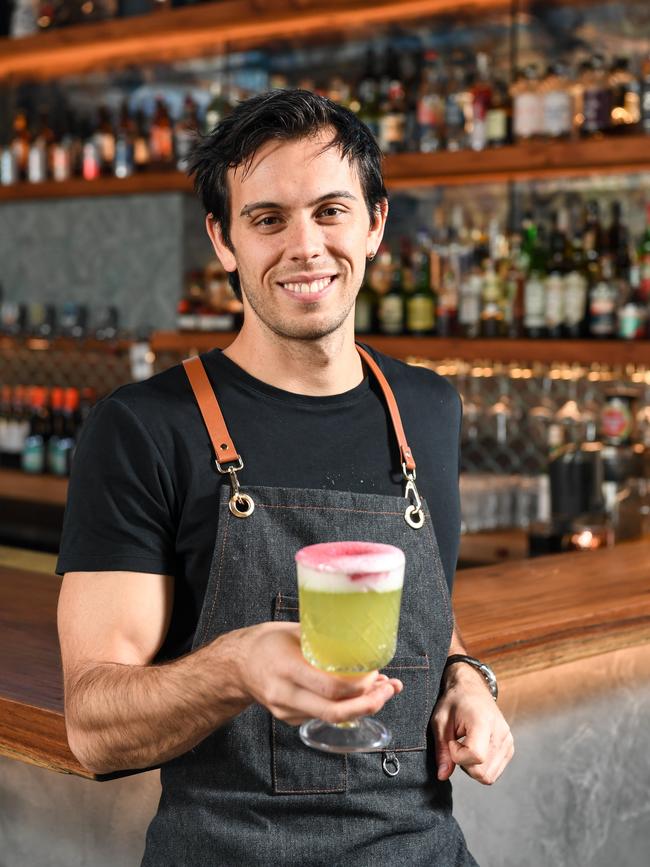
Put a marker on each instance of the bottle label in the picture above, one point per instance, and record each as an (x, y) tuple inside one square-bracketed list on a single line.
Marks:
[(602, 310), (596, 110), (391, 314), (392, 128), (616, 421), (33, 456), (554, 301), (528, 115), (631, 322), (430, 110), (575, 298), (496, 123), (420, 313), (534, 303), (469, 310), (363, 316), (557, 113)]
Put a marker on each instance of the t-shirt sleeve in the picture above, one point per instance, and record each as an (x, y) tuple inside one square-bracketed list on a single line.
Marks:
[(120, 499)]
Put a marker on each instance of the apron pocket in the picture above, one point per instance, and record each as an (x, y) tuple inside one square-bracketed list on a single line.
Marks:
[(297, 769), (407, 714)]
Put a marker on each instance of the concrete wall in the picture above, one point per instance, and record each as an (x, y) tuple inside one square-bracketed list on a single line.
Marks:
[(576, 795)]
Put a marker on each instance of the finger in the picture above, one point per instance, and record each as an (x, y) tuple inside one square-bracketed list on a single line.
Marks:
[(443, 732), (474, 749), (489, 771), (332, 686), (307, 705)]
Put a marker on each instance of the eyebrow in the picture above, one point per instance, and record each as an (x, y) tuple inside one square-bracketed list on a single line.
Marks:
[(256, 206)]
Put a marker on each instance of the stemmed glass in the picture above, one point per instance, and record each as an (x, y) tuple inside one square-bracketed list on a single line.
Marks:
[(350, 595)]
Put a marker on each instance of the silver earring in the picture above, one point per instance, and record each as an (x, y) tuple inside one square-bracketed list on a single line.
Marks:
[(371, 256)]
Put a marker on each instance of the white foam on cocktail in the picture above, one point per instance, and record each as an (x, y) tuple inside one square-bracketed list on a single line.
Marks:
[(341, 582), (350, 567)]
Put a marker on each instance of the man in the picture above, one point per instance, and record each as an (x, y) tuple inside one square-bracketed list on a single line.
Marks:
[(179, 592)]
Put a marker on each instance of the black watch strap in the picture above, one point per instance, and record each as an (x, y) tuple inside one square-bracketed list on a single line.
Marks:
[(482, 667)]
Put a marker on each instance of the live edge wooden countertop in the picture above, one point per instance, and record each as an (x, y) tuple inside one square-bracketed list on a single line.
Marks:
[(520, 616)]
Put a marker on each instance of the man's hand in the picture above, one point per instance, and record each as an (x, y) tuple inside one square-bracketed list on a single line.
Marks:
[(274, 673), (469, 728)]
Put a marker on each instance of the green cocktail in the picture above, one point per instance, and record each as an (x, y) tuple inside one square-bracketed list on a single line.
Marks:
[(350, 594)]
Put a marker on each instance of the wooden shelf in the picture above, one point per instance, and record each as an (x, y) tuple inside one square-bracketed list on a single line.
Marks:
[(66, 344), (16, 485), (178, 34), (521, 162), (437, 348)]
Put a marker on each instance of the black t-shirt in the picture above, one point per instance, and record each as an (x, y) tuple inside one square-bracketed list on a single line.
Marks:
[(144, 490)]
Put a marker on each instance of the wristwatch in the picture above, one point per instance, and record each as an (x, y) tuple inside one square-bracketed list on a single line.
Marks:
[(484, 668)]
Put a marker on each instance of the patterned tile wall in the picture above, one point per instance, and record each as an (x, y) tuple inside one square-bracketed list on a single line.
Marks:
[(130, 251)]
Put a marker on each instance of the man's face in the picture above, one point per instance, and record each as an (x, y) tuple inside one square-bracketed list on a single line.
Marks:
[(300, 232)]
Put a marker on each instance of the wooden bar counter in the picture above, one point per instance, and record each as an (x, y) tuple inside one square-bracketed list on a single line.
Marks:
[(520, 616)]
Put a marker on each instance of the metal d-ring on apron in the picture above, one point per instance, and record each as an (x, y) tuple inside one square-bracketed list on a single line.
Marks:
[(229, 461), (251, 792)]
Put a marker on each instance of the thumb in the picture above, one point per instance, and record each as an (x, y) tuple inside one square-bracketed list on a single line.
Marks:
[(444, 761)]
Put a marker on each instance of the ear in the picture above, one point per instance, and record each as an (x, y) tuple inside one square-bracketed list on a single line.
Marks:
[(376, 232), (224, 253)]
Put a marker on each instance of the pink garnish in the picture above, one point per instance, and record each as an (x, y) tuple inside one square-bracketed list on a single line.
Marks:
[(356, 559)]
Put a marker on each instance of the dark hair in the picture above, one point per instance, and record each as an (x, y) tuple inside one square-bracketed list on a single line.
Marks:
[(279, 114)]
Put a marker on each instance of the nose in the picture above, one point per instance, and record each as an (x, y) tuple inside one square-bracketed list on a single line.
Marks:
[(305, 239)]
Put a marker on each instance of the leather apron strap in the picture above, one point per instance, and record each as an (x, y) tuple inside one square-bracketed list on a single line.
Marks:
[(241, 505), (224, 448)]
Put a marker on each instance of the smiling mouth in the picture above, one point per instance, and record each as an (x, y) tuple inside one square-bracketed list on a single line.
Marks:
[(311, 288)]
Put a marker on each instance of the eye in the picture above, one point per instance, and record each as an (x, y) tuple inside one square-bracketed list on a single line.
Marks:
[(331, 211), (267, 221)]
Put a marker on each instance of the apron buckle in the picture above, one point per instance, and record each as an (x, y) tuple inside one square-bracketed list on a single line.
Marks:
[(414, 516), (240, 505)]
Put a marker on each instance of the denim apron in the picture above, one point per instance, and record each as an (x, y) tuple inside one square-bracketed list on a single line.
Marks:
[(252, 793)]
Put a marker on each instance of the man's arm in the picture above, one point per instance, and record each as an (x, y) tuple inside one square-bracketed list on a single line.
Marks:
[(469, 728), (122, 712)]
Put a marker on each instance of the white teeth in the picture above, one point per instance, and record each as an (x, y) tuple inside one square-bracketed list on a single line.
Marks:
[(310, 288)]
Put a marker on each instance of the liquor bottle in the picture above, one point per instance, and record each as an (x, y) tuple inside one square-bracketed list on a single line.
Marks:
[(8, 166), (161, 137), (491, 320), (632, 314), (643, 258), (368, 95), (421, 302), (557, 268), (534, 298), (185, 132), (469, 302), (430, 109), (481, 92), (557, 104), (594, 241), (17, 428), (446, 324), (35, 445), (218, 107), (390, 307), (575, 291), (125, 143), (38, 156), (141, 147), (527, 105), (91, 157), (60, 456), (498, 120), (597, 102), (645, 95), (20, 143), (458, 103), (105, 139), (364, 310), (56, 433), (603, 301), (392, 123), (5, 422), (62, 150), (625, 113), (514, 281)]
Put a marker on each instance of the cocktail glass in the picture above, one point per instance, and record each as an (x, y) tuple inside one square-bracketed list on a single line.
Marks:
[(350, 595)]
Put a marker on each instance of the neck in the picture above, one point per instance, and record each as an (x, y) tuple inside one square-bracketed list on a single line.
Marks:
[(329, 365)]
